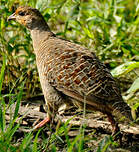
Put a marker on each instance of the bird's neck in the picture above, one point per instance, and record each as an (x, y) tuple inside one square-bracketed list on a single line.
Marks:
[(38, 35)]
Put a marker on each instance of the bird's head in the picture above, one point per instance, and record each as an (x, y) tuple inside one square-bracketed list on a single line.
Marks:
[(27, 16)]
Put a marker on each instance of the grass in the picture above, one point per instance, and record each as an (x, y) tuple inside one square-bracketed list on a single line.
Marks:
[(110, 28)]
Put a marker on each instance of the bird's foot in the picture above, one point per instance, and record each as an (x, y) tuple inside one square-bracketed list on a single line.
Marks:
[(42, 123), (115, 129), (117, 135)]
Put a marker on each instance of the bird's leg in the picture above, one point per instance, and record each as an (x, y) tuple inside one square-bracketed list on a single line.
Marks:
[(49, 117), (115, 129), (43, 122), (46, 120)]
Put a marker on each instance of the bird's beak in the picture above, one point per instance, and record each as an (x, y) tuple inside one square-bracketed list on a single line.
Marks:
[(11, 17)]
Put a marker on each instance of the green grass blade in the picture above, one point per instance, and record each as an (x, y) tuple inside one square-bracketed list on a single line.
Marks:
[(77, 138), (19, 97), (2, 116), (11, 132), (2, 103), (26, 142), (2, 72), (35, 141)]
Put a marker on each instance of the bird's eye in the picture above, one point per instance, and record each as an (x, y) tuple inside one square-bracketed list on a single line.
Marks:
[(21, 13)]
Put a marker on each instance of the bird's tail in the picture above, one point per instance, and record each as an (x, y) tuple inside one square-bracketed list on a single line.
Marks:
[(121, 108)]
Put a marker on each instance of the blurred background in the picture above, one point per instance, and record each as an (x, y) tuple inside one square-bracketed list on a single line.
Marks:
[(110, 28)]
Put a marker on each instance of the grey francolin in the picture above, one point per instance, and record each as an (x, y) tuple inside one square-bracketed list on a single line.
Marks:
[(70, 73)]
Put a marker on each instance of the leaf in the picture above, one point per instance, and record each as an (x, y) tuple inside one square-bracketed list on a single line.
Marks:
[(13, 39), (88, 33), (124, 68), (134, 87), (136, 106)]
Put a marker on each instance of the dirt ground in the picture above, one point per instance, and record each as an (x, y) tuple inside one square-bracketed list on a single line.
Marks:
[(97, 129)]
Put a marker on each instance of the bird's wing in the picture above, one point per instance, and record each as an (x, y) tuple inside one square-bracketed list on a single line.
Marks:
[(78, 73)]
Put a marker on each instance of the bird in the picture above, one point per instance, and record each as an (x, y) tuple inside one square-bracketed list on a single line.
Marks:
[(71, 73)]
